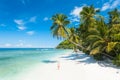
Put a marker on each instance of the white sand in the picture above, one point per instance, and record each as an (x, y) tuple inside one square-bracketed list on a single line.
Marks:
[(83, 68)]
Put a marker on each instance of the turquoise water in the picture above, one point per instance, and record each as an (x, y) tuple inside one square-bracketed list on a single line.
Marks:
[(15, 61)]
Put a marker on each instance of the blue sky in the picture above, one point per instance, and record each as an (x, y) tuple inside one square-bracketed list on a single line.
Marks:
[(26, 23)]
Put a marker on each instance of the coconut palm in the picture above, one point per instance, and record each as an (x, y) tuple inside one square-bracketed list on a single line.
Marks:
[(87, 16), (114, 23), (88, 22), (114, 17), (87, 19), (73, 36), (59, 28), (101, 42)]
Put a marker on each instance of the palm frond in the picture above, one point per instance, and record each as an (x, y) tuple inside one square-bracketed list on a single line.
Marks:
[(110, 46), (95, 51), (94, 37), (98, 43)]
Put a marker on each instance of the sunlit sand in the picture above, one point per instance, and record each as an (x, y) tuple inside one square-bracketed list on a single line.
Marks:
[(72, 67)]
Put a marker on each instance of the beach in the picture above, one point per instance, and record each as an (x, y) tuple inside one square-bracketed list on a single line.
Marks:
[(72, 67), (60, 40)]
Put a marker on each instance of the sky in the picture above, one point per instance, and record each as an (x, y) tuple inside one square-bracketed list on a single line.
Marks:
[(26, 23)]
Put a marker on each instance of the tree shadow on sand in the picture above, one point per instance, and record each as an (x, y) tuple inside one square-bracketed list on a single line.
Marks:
[(107, 63), (87, 59), (80, 58)]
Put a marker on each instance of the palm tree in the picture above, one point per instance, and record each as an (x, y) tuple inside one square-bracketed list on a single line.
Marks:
[(88, 22), (87, 16), (73, 35), (101, 42), (59, 28), (114, 23), (114, 17)]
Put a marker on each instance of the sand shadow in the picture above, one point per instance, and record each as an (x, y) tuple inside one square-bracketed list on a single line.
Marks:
[(87, 59), (106, 63), (80, 58), (75, 56), (49, 61)]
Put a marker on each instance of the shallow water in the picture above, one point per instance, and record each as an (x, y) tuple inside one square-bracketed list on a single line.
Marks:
[(15, 61)]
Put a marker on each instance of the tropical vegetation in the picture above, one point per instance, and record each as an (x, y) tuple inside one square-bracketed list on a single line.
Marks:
[(65, 45), (95, 35)]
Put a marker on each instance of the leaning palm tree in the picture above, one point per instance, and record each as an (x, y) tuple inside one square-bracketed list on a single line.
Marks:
[(59, 28), (73, 36)]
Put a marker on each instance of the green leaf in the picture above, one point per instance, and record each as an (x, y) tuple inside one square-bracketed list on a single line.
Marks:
[(97, 43), (110, 46), (95, 51), (116, 37)]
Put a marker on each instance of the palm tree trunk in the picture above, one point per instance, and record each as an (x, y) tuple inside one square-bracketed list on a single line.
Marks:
[(76, 44), (72, 41), (108, 55)]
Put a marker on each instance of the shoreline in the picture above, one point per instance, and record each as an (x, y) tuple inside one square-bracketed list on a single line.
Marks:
[(71, 68)]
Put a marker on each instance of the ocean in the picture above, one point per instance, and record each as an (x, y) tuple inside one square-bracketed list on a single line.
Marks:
[(14, 61)]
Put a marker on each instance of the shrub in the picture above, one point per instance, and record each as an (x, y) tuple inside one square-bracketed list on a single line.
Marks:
[(98, 57), (116, 60)]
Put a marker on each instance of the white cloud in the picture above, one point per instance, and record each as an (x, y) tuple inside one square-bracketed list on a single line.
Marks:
[(105, 6), (46, 18), (33, 19), (110, 5), (21, 27), (20, 40), (75, 14), (20, 44), (30, 32), (115, 4), (74, 19), (28, 45), (76, 11), (7, 45), (2, 25), (19, 22)]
